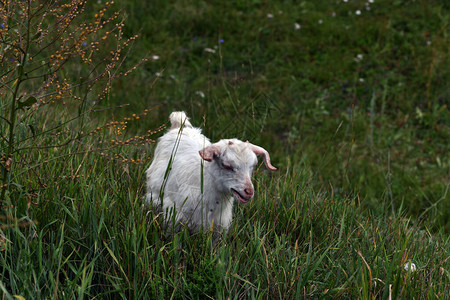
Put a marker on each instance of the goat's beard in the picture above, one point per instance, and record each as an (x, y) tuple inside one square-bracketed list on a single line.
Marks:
[(238, 196)]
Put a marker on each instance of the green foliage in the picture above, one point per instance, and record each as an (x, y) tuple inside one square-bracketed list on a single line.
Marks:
[(350, 105), (292, 242), (358, 89)]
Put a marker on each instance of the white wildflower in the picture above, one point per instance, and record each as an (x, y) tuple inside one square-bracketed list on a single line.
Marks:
[(200, 93), (359, 57), (270, 16), (210, 50), (297, 26), (409, 266), (358, 12), (155, 57)]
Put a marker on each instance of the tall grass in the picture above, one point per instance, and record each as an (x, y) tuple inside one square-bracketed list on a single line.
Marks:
[(94, 239)]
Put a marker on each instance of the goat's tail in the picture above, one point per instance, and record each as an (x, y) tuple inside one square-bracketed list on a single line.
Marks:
[(178, 119)]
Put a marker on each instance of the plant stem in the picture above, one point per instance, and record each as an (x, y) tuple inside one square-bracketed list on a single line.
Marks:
[(13, 113)]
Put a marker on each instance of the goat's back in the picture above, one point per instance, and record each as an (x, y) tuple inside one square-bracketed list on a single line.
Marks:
[(178, 150)]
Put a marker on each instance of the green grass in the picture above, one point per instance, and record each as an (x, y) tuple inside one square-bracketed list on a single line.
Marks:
[(291, 241), (375, 126), (361, 146)]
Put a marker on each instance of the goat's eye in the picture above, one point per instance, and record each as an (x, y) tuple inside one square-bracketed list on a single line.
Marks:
[(228, 167)]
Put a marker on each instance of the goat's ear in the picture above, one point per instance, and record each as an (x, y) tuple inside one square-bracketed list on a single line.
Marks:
[(208, 153)]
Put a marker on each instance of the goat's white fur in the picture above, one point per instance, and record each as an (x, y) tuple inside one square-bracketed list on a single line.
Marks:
[(174, 179)]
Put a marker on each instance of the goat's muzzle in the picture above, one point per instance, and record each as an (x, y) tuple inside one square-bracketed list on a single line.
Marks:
[(243, 197)]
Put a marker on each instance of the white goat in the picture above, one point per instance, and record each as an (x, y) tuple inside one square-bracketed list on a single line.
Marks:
[(193, 180)]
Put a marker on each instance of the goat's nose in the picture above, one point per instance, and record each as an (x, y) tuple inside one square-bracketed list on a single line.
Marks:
[(249, 192)]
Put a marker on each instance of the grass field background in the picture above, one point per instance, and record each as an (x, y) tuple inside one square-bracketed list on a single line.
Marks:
[(349, 97), (358, 89)]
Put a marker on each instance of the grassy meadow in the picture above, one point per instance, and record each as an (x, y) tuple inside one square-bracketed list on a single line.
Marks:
[(349, 97)]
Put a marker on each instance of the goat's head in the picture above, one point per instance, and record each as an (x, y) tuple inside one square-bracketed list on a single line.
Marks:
[(232, 164)]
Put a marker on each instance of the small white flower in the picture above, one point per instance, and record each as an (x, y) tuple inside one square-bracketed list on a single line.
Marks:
[(333, 14), (297, 26), (358, 12), (158, 74), (428, 43), (359, 57), (371, 1), (155, 57), (345, 0), (210, 50), (409, 266), (200, 93), (270, 16), (361, 80), (320, 21)]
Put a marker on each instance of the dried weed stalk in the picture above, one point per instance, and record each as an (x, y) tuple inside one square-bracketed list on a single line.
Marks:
[(58, 61)]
